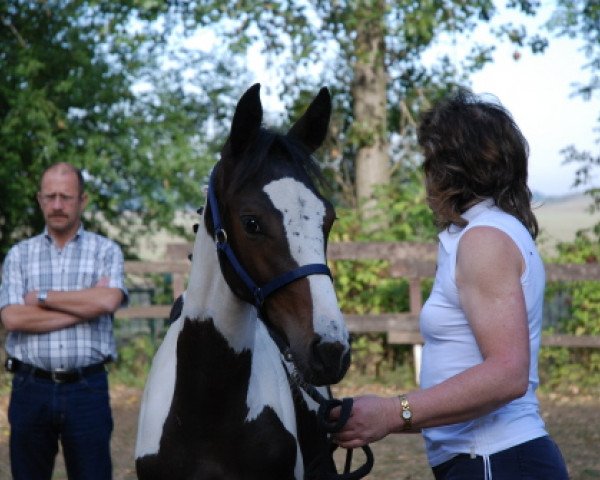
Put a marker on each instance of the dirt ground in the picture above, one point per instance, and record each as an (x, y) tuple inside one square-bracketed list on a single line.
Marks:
[(574, 423)]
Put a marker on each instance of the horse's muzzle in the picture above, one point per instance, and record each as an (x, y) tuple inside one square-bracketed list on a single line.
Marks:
[(328, 362)]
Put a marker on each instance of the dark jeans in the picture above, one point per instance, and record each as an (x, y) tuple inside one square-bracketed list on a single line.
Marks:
[(538, 459), (78, 414)]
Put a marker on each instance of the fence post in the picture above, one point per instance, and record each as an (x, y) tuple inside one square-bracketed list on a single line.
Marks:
[(416, 302)]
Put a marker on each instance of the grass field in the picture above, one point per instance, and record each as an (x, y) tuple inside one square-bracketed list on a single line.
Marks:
[(561, 218)]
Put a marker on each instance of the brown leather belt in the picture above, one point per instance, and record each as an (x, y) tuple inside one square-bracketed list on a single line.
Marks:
[(57, 376)]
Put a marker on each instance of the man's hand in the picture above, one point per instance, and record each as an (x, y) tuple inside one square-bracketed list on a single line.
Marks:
[(31, 298)]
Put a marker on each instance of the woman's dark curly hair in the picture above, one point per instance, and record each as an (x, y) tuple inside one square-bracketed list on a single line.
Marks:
[(474, 150)]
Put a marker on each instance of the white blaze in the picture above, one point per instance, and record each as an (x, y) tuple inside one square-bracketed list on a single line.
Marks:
[(303, 216)]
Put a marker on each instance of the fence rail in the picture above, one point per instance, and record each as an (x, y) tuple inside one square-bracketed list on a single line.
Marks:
[(411, 261)]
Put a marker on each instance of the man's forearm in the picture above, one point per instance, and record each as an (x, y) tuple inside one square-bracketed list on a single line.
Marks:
[(35, 319), (87, 303)]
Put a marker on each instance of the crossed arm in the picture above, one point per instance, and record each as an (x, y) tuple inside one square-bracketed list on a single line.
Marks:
[(61, 309)]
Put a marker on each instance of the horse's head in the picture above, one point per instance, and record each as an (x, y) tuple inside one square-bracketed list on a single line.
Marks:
[(277, 223)]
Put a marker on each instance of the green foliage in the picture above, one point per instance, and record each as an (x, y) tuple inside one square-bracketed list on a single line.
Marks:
[(581, 20), (375, 361), (584, 249), (362, 287), (138, 339), (133, 363), (5, 382), (569, 371), (81, 81), (403, 205), (315, 43), (368, 352), (365, 286), (573, 370), (582, 297)]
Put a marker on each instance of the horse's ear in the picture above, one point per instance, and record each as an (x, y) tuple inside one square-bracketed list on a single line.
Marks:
[(246, 120), (311, 128)]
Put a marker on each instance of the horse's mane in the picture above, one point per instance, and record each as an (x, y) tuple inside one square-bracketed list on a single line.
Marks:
[(273, 152)]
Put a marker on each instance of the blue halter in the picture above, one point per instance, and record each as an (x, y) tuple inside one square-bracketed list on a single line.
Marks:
[(259, 294)]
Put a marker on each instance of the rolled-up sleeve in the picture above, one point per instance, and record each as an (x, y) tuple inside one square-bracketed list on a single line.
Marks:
[(114, 269), (12, 288)]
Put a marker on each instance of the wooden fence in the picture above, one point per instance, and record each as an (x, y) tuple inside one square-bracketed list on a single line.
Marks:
[(411, 261)]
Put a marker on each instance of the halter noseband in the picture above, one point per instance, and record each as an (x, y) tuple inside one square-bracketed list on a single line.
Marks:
[(259, 294)]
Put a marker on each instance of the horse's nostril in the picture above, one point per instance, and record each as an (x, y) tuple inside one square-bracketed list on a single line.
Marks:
[(329, 362), (328, 354)]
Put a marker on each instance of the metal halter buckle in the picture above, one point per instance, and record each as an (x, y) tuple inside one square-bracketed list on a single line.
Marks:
[(221, 236)]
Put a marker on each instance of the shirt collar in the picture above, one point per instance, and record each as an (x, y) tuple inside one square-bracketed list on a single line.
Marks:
[(451, 235), (76, 237)]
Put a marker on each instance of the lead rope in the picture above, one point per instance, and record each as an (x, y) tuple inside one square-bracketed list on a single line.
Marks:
[(325, 407)]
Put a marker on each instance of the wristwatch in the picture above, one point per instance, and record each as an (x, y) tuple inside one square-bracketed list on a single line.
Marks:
[(42, 296), (406, 413)]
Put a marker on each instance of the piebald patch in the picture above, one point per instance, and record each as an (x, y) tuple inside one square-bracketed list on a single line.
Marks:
[(269, 387), (158, 394), (212, 299)]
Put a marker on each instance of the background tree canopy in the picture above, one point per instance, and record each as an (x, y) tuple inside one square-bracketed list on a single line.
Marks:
[(370, 53), (72, 89), (112, 88), (582, 19)]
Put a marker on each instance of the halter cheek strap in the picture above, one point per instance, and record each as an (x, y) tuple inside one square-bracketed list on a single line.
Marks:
[(259, 294)]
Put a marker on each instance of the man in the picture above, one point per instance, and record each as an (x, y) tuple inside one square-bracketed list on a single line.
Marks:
[(57, 298)]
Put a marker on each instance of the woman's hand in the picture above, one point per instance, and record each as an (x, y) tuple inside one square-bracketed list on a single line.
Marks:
[(371, 419)]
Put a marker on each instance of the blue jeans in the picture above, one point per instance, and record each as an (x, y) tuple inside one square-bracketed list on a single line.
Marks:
[(538, 459), (78, 414)]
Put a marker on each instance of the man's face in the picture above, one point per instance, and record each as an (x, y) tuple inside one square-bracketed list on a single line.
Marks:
[(61, 202)]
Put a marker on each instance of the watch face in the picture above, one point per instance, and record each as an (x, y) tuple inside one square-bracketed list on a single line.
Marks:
[(406, 414)]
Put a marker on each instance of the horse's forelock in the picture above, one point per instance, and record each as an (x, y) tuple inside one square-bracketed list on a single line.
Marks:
[(270, 155)]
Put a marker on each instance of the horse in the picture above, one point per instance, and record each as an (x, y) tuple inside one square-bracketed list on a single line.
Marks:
[(259, 310)]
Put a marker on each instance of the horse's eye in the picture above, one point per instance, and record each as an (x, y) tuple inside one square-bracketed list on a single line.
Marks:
[(251, 224)]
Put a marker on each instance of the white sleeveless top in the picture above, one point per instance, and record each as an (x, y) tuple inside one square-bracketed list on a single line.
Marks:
[(450, 347)]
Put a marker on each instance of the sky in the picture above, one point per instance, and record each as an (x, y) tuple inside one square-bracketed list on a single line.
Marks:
[(537, 90)]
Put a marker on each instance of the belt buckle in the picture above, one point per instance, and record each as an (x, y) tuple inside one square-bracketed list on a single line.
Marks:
[(55, 375)]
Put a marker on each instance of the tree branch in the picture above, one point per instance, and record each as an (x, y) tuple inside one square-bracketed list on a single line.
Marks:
[(14, 31)]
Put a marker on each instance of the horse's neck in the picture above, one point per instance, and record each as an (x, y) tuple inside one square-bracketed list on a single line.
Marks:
[(209, 297)]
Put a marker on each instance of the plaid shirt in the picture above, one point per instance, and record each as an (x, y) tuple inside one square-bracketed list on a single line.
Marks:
[(37, 264)]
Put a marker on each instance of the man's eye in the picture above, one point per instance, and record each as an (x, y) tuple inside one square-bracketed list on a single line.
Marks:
[(251, 225)]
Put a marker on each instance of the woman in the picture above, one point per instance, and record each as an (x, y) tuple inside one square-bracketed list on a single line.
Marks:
[(477, 408)]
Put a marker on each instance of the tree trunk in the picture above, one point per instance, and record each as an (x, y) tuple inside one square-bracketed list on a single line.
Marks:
[(369, 95)]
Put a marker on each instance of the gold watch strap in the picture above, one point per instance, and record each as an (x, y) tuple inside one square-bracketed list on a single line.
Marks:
[(405, 413)]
